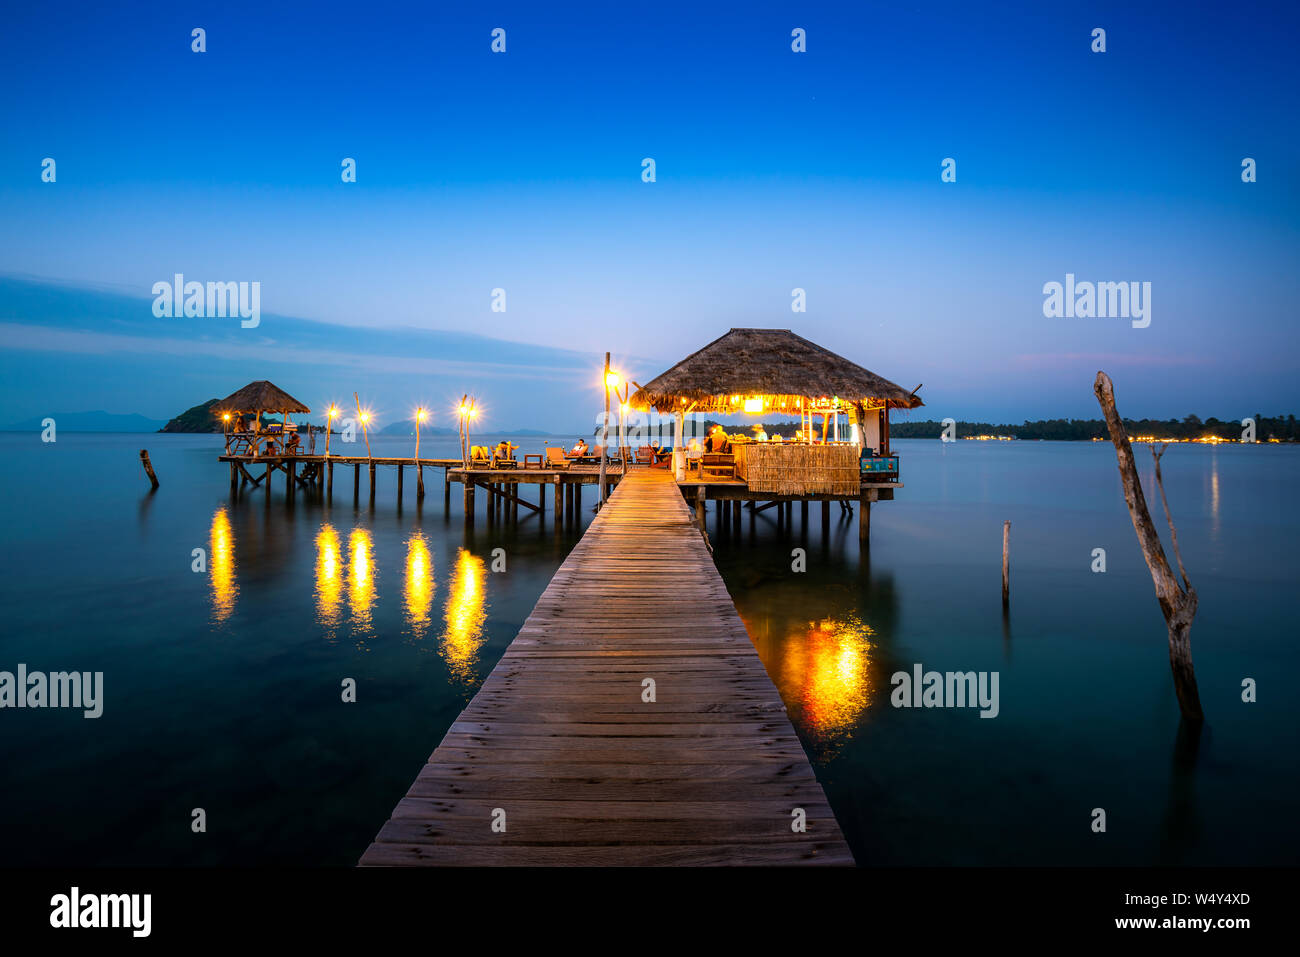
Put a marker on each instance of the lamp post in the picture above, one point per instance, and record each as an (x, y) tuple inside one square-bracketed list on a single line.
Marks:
[(364, 417), (419, 417), (330, 414), (604, 430)]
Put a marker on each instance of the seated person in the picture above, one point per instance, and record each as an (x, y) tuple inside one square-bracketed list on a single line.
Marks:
[(504, 450), (579, 449), (240, 424), (717, 441), (292, 444)]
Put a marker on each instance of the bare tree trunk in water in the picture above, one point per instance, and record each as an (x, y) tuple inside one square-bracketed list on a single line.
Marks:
[(1177, 603)]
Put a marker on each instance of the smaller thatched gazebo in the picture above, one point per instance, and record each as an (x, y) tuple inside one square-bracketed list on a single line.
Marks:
[(260, 396), (254, 399)]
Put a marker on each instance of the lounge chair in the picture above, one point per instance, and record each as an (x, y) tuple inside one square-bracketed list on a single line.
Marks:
[(717, 465), (555, 459), (645, 455), (479, 456)]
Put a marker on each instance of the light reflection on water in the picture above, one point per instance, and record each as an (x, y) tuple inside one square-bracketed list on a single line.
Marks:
[(221, 566), (356, 583), (465, 613), (823, 670), (329, 579), (419, 585)]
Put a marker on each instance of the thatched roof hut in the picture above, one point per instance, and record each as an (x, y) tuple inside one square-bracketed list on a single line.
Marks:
[(774, 364), (260, 396)]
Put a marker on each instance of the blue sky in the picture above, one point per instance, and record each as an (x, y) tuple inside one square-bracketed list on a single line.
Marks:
[(775, 170)]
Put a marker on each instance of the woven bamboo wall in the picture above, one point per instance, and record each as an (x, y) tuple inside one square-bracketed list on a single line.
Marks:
[(788, 469)]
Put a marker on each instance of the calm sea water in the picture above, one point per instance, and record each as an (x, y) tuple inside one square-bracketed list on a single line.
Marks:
[(223, 690)]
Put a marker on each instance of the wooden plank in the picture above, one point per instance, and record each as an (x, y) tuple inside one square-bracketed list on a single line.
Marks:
[(561, 741)]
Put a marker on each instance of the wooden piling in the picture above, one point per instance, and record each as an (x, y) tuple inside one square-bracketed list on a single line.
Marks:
[(148, 468), (826, 517), (356, 483), (399, 484), (419, 483), (446, 493), (329, 482), (290, 478), (864, 519), (372, 483), (1006, 563), (469, 502), (234, 477)]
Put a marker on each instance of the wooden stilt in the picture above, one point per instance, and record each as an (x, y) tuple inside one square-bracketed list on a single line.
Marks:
[(826, 516), (735, 514), (577, 502), (864, 519), (469, 502), (541, 499), (267, 480), (290, 477), (419, 483), (372, 483), (446, 493), (399, 484), (234, 477), (559, 501), (700, 508), (329, 482), (803, 513)]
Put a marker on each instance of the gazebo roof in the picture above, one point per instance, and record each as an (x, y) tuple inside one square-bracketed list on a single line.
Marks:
[(260, 396), (766, 362)]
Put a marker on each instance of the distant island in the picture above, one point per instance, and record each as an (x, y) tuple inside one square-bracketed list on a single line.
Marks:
[(1189, 428), (88, 422)]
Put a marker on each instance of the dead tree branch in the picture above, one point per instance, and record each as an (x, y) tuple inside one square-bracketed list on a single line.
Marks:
[(1177, 606)]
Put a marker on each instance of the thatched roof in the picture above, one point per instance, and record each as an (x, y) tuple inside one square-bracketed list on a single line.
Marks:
[(260, 396), (765, 362)]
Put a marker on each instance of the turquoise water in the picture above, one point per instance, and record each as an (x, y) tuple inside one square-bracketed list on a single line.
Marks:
[(223, 689)]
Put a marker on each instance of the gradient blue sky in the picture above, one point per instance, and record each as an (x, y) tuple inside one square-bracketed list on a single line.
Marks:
[(775, 170)]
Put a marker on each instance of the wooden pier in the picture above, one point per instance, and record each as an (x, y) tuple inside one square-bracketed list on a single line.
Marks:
[(561, 758)]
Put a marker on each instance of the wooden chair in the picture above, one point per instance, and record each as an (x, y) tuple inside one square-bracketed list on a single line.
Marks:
[(532, 461), (555, 459), (645, 455), (717, 465)]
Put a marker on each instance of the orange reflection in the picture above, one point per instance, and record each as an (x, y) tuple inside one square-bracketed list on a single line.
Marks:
[(221, 566), (361, 579), (329, 578), (465, 613), (419, 585), (827, 672)]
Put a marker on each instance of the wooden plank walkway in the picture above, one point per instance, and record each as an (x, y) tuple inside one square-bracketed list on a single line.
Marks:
[(586, 772)]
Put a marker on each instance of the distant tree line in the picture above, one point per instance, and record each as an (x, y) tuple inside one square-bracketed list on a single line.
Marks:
[(1282, 428)]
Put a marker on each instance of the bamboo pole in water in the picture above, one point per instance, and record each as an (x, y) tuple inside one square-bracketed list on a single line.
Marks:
[(1006, 563)]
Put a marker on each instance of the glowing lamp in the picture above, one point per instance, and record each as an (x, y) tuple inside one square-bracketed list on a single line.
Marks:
[(612, 380), (753, 405)]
